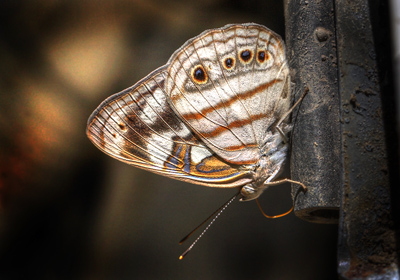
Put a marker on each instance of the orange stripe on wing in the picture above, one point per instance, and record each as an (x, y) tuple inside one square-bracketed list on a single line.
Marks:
[(239, 123), (246, 95), (240, 147)]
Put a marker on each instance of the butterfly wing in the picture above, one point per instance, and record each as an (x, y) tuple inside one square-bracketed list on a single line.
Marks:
[(138, 127), (230, 85)]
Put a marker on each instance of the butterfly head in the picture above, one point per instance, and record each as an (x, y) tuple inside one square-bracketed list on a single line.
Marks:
[(266, 170), (250, 191)]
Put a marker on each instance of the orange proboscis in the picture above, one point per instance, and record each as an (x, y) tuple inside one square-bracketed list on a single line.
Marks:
[(275, 216)]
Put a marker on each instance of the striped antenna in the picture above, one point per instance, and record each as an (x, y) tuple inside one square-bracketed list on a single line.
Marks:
[(216, 214)]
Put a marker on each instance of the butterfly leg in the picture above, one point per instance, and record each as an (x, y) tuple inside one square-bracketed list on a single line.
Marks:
[(288, 113), (286, 180)]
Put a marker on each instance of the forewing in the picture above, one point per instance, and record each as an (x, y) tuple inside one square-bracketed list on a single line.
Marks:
[(231, 108), (137, 126)]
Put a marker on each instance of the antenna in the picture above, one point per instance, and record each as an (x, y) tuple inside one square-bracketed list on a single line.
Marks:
[(216, 214)]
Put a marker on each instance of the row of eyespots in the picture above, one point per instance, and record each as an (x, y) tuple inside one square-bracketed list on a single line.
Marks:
[(247, 55), (199, 75)]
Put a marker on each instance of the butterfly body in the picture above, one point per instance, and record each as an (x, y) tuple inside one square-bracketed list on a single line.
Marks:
[(209, 115)]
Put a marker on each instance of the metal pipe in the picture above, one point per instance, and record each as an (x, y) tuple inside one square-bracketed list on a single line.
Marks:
[(316, 138), (345, 130), (367, 246)]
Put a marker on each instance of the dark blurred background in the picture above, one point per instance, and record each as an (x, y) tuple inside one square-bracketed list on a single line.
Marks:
[(68, 211)]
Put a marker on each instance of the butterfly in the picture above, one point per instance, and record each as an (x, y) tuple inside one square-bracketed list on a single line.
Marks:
[(216, 114)]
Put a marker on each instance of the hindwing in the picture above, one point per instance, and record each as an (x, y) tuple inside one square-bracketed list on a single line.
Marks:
[(137, 126)]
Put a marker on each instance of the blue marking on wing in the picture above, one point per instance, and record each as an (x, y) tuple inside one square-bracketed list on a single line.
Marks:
[(186, 160), (173, 162)]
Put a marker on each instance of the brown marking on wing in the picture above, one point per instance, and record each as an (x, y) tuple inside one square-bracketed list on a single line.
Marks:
[(238, 123), (246, 95)]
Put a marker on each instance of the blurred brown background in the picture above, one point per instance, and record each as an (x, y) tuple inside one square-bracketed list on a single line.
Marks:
[(68, 211)]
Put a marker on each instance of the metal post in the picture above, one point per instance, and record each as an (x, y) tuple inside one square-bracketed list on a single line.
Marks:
[(367, 229), (345, 131), (315, 159)]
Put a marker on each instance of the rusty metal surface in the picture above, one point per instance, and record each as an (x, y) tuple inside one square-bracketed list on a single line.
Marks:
[(316, 138), (367, 236)]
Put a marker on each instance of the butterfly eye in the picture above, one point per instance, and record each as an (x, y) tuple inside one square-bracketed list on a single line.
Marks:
[(263, 56), (246, 56), (229, 63), (199, 75)]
